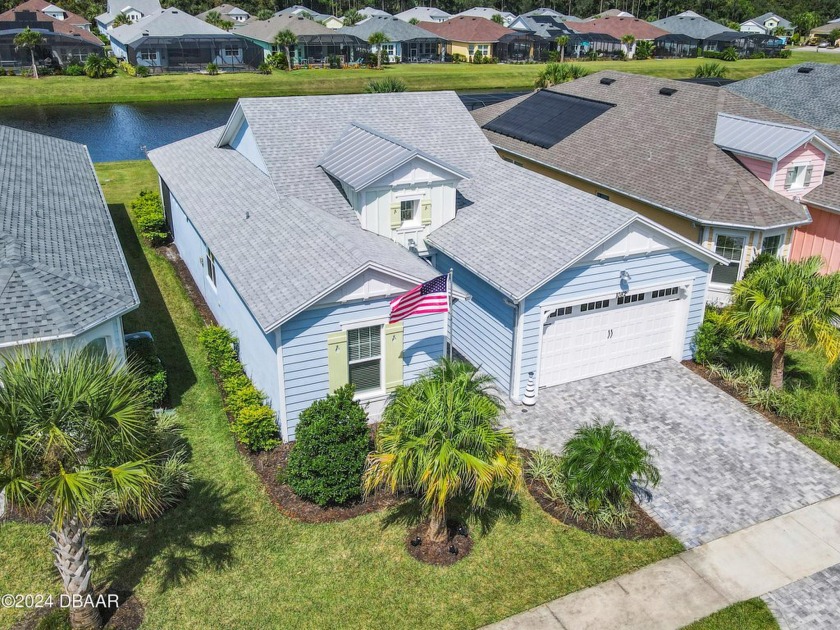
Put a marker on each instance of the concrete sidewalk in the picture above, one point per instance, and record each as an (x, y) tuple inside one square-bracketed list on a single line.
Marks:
[(696, 583)]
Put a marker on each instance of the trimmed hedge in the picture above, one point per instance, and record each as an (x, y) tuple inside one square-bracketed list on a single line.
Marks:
[(254, 424), (151, 221), (328, 457)]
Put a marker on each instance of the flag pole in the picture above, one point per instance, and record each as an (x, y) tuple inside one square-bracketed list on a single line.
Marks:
[(449, 310)]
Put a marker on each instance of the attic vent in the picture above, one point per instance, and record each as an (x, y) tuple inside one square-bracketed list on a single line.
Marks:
[(805, 69), (668, 91), (607, 81)]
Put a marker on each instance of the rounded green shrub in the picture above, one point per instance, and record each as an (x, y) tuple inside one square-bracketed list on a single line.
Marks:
[(218, 345), (712, 339), (256, 428), (328, 457), (247, 396), (235, 383)]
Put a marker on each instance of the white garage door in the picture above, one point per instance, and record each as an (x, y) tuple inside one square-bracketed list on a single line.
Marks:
[(607, 335)]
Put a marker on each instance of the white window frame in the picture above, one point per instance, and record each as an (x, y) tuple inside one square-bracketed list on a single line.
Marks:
[(413, 219), (743, 236), (377, 323), (149, 55), (231, 52), (210, 267), (782, 243), (798, 181)]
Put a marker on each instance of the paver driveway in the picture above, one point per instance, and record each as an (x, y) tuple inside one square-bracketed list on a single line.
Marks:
[(724, 466)]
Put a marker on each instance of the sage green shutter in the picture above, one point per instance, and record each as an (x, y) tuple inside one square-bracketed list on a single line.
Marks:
[(396, 218), (337, 360), (426, 212), (393, 355), (791, 175), (809, 171)]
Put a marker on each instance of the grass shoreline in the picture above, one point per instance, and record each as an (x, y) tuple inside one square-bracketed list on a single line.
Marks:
[(20, 91)]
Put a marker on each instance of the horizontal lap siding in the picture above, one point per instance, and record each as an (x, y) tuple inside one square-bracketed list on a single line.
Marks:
[(256, 349), (603, 279), (304, 345), (482, 328)]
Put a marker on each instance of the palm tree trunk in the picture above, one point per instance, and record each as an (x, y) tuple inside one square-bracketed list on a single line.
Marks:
[(379, 58), (562, 54), (777, 367), (437, 526), (288, 58), (34, 65), (71, 560)]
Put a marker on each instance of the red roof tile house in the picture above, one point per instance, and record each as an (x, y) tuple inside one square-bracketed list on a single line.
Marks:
[(467, 36), (67, 36)]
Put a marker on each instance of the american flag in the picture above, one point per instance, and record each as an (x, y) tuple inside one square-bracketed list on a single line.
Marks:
[(429, 297)]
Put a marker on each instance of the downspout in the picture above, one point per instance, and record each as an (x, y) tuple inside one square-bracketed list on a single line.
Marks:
[(516, 372)]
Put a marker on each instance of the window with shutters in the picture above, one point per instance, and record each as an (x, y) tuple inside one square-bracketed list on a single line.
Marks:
[(364, 358), (798, 176), (407, 210)]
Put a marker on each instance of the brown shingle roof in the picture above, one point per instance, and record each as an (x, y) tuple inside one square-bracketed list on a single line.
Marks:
[(70, 26), (660, 149), (468, 29), (618, 27)]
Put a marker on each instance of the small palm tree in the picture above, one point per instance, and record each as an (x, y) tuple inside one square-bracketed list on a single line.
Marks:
[(264, 14), (378, 39), (710, 70), (784, 302), (497, 18), (628, 41), (414, 21), (440, 438), (286, 39), (29, 40), (120, 20), (215, 18), (352, 17), (562, 41), (388, 84), (73, 428), (556, 73)]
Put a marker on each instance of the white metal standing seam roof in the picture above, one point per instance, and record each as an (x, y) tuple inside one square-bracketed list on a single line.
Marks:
[(361, 156), (761, 138)]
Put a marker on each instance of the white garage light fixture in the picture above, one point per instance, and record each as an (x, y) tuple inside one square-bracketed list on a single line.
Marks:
[(625, 275)]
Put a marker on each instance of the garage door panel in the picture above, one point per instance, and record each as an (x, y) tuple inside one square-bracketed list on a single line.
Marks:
[(580, 345)]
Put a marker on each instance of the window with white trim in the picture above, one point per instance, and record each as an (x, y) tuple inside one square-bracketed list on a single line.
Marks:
[(659, 293), (594, 306), (148, 55), (629, 299), (798, 176), (231, 52), (772, 244), (407, 211), (731, 248), (364, 356), (211, 267)]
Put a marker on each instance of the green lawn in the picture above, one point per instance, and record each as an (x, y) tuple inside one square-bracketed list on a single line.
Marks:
[(180, 87), (752, 614), (228, 558)]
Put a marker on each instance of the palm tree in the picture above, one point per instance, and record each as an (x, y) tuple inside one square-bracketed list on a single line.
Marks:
[(378, 39), (710, 70), (556, 73), (440, 438), (562, 41), (29, 40), (628, 41), (497, 18), (215, 18), (352, 17), (414, 21), (73, 428), (121, 20), (784, 302), (286, 39)]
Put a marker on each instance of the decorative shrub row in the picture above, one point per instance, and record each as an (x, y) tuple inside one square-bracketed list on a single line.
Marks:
[(253, 423), (148, 210), (143, 354)]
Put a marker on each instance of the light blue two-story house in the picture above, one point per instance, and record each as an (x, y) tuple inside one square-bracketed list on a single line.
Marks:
[(304, 216)]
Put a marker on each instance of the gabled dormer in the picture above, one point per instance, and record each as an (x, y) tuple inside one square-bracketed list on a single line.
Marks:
[(54, 12), (396, 190), (789, 160)]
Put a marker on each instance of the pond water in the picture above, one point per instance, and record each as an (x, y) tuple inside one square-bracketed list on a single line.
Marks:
[(124, 131)]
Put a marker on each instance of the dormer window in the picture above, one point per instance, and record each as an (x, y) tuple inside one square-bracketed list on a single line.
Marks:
[(408, 210), (798, 176)]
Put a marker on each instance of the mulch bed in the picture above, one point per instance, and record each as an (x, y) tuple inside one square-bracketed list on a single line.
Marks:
[(789, 426), (170, 252), (457, 545), (266, 465)]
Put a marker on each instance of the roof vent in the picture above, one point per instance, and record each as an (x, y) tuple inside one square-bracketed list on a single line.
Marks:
[(668, 91), (607, 81), (805, 69)]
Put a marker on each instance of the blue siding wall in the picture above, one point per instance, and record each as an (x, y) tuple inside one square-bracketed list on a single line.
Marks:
[(304, 347), (482, 328), (603, 278), (256, 349)]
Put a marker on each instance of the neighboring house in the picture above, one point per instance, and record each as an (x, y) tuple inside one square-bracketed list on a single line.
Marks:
[(545, 12), (691, 24), (824, 31), (424, 14), (227, 12), (745, 43), (547, 29), (303, 217), (707, 163), (618, 27), (469, 35), (315, 42), (808, 93), (132, 9), (324, 19), (368, 12), (487, 13), (67, 36), (767, 24), (614, 13), (173, 41), (406, 42), (64, 282)]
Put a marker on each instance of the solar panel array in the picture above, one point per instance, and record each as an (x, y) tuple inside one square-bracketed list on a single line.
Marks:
[(546, 118)]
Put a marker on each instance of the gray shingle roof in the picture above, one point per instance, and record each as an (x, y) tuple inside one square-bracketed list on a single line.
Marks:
[(395, 29), (266, 30), (362, 156), (660, 149), (811, 97), (694, 26), (423, 14), (761, 19), (165, 23), (62, 270)]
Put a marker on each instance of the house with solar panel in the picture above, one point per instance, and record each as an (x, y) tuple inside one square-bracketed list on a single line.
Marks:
[(64, 282), (713, 166), (303, 218)]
